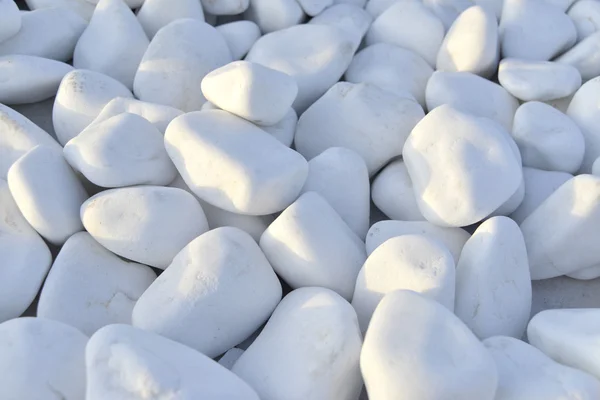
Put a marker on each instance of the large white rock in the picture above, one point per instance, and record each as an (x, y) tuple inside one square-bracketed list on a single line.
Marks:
[(123, 362), (81, 96), (309, 244), (448, 10), (538, 80), (379, 64), (312, 343), (177, 59), (471, 94), (582, 56), (585, 111), (10, 19), (393, 193), (48, 193), (154, 14), (561, 233), (539, 184), (471, 44), (113, 43), (362, 117), (234, 165), (568, 336), (417, 349), (18, 135), (225, 7), (159, 115), (84, 9), (340, 176), (41, 359), (453, 238), (350, 18), (411, 25), (217, 291), (462, 167), (240, 36), (29, 79), (24, 258), (493, 286), (293, 51), (89, 287), (254, 92), (147, 224), (124, 150), (414, 262), (48, 33), (535, 30), (524, 372), (547, 138), (586, 17), (274, 15)]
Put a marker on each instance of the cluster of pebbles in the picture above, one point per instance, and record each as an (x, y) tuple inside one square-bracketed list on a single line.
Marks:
[(300, 199)]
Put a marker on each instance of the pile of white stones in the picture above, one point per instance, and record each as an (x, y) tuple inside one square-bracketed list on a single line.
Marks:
[(299, 199)]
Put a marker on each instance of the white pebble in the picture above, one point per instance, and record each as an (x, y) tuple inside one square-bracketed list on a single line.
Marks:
[(309, 244), (146, 224), (392, 192), (274, 15), (84, 9), (583, 55), (225, 7), (309, 349), (378, 7), (10, 19), (586, 17), (585, 111), (155, 14), (416, 348), (240, 36), (352, 19)]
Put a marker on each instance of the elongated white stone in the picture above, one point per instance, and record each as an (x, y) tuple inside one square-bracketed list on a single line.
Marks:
[(582, 56), (154, 14)]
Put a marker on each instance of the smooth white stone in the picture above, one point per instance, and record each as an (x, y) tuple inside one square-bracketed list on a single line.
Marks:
[(362, 117), (254, 225), (154, 14), (41, 359), (178, 58), (586, 17), (379, 64), (472, 94), (160, 116), (128, 363), (378, 7), (539, 185), (124, 150), (585, 111), (538, 80), (18, 135), (493, 286), (225, 7), (234, 165), (48, 193), (24, 258), (230, 357), (561, 233), (147, 224), (217, 291), (513, 202), (10, 19), (81, 96), (113, 43), (293, 51), (462, 167), (352, 19), (309, 244), (524, 372), (416, 348), (312, 343), (448, 10), (471, 44), (569, 337), (413, 262), (130, 3), (89, 287), (256, 93), (274, 15), (314, 7), (83, 9), (340, 176), (411, 25), (29, 79), (535, 30), (582, 56), (240, 36), (393, 193), (48, 33), (547, 138), (453, 238), (586, 274)]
